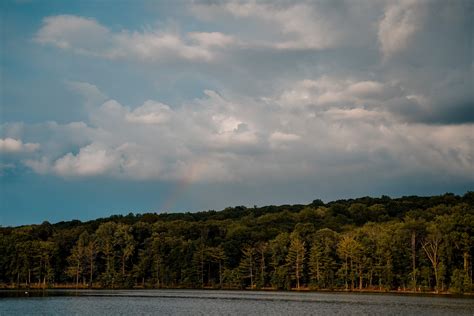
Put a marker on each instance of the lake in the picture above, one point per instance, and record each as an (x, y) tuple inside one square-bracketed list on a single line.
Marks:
[(201, 302)]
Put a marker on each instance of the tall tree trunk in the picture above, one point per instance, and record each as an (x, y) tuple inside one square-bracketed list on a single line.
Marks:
[(202, 266), (220, 274), (251, 276), (346, 276), (209, 273), (158, 274), (108, 264), (123, 266), (40, 275), (91, 271), (77, 275), (297, 273), (413, 258), (466, 264), (318, 276), (352, 275), (431, 249)]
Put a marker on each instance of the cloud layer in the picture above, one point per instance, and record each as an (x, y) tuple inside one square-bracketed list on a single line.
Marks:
[(309, 92), (11, 145), (316, 128), (86, 36)]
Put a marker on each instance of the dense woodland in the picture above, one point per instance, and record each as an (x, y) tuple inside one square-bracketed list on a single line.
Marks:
[(403, 244)]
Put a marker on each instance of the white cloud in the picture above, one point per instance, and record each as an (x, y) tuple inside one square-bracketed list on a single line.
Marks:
[(221, 138), (150, 113), (296, 26), (72, 32), (333, 91), (366, 88), (400, 22), (283, 137), (226, 123), (156, 46), (152, 141), (91, 160), (86, 36), (355, 115), (290, 26), (41, 166), (282, 140), (11, 145), (90, 92), (211, 39)]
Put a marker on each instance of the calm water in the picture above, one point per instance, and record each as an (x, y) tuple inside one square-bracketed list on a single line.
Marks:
[(195, 302)]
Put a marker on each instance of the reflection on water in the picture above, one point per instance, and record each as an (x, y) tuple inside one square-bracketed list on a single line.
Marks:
[(197, 302)]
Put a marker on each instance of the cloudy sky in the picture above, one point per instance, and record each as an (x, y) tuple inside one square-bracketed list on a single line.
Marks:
[(112, 107)]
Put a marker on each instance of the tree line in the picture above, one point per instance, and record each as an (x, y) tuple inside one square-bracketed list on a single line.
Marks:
[(409, 243)]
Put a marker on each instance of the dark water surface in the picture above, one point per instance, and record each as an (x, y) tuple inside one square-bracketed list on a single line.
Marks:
[(198, 302)]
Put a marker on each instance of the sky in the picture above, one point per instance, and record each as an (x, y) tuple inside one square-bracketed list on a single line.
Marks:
[(111, 107)]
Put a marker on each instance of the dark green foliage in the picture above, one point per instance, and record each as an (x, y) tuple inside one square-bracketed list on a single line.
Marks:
[(408, 243)]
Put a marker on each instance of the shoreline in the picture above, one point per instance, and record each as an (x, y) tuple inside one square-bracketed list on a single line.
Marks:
[(68, 290)]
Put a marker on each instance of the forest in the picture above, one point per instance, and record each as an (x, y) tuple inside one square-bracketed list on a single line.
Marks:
[(416, 244)]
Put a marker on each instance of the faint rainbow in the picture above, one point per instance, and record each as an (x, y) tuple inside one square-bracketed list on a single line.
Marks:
[(190, 176)]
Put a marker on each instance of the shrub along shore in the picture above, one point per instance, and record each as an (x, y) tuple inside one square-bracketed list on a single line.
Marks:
[(401, 245)]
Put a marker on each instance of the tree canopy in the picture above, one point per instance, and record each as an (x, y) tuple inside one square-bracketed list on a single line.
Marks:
[(408, 243)]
